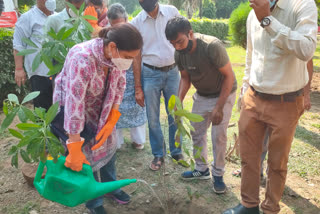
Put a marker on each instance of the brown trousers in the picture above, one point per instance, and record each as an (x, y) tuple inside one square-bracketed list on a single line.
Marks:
[(256, 116)]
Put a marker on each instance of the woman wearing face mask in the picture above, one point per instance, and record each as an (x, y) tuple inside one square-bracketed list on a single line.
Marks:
[(90, 87)]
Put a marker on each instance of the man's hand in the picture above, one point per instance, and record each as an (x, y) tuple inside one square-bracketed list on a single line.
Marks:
[(217, 115), (307, 102), (20, 76), (261, 8), (139, 95)]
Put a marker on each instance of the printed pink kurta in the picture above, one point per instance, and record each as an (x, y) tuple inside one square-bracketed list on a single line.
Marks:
[(88, 98)]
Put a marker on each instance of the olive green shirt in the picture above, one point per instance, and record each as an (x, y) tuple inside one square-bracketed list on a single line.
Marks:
[(203, 65)]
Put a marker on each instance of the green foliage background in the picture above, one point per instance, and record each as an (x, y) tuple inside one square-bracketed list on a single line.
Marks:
[(217, 28), (237, 25), (7, 83)]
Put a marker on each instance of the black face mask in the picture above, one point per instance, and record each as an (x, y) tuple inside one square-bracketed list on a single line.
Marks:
[(149, 5), (187, 49)]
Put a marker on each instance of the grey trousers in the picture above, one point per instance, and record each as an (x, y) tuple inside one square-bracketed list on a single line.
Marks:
[(204, 106)]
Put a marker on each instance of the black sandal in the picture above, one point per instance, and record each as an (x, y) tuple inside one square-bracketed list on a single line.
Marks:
[(155, 162)]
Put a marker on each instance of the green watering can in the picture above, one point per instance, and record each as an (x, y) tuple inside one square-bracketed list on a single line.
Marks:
[(69, 187)]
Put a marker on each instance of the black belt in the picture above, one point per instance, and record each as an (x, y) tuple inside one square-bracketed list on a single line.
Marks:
[(287, 97), (163, 69)]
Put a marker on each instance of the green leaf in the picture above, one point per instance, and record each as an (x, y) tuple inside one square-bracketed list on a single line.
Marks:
[(198, 154), (30, 96), (25, 156), (67, 33), (28, 126), (178, 103), (192, 165), (89, 17), (5, 108), (194, 117), (172, 102), (52, 112), (26, 52), (22, 117), (184, 163), (52, 34), (36, 62), (8, 120), (87, 25), (73, 8), (14, 160), (181, 112), (15, 133), (80, 36), (13, 150), (40, 112), (203, 160), (29, 114), (185, 149), (13, 98), (56, 69), (61, 33), (82, 8), (177, 144), (47, 61), (29, 42)]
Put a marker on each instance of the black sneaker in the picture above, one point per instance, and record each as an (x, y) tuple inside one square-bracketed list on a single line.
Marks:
[(120, 197), (98, 210), (195, 174), (219, 186)]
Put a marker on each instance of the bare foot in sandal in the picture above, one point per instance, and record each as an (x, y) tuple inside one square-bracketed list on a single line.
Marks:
[(156, 163)]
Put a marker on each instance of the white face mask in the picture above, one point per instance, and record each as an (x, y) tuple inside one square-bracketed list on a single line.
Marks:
[(72, 14), (122, 64), (51, 5)]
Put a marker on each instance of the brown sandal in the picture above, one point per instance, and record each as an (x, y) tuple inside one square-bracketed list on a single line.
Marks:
[(156, 163)]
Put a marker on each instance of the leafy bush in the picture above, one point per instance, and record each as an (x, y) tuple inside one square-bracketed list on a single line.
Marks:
[(209, 9), (217, 28), (237, 25), (7, 82), (130, 5), (225, 7)]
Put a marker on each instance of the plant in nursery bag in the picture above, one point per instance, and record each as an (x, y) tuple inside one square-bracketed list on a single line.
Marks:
[(55, 46), (182, 119), (35, 137)]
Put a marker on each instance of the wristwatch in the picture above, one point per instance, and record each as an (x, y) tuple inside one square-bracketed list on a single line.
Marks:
[(266, 21)]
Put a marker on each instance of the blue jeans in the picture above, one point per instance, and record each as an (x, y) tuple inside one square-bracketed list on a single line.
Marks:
[(107, 173), (156, 82)]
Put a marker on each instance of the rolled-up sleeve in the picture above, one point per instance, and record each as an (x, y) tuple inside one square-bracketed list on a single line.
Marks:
[(301, 41), (121, 86), (22, 30)]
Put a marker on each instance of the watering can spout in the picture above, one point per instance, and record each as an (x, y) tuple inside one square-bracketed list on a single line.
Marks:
[(72, 188), (103, 188)]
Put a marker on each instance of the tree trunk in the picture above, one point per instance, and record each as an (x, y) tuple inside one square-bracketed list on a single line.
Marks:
[(200, 9)]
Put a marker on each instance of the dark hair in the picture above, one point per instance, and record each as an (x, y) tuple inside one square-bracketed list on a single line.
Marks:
[(96, 2), (125, 35), (117, 11), (176, 25)]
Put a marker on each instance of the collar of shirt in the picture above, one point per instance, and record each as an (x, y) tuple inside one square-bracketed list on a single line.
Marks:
[(282, 4), (99, 54), (145, 15), (39, 11)]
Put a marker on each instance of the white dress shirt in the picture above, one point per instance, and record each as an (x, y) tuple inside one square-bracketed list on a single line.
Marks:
[(57, 21), (30, 25), (277, 55), (157, 50)]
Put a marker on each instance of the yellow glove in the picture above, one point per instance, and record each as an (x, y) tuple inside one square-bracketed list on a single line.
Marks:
[(107, 129), (75, 158), (92, 12)]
